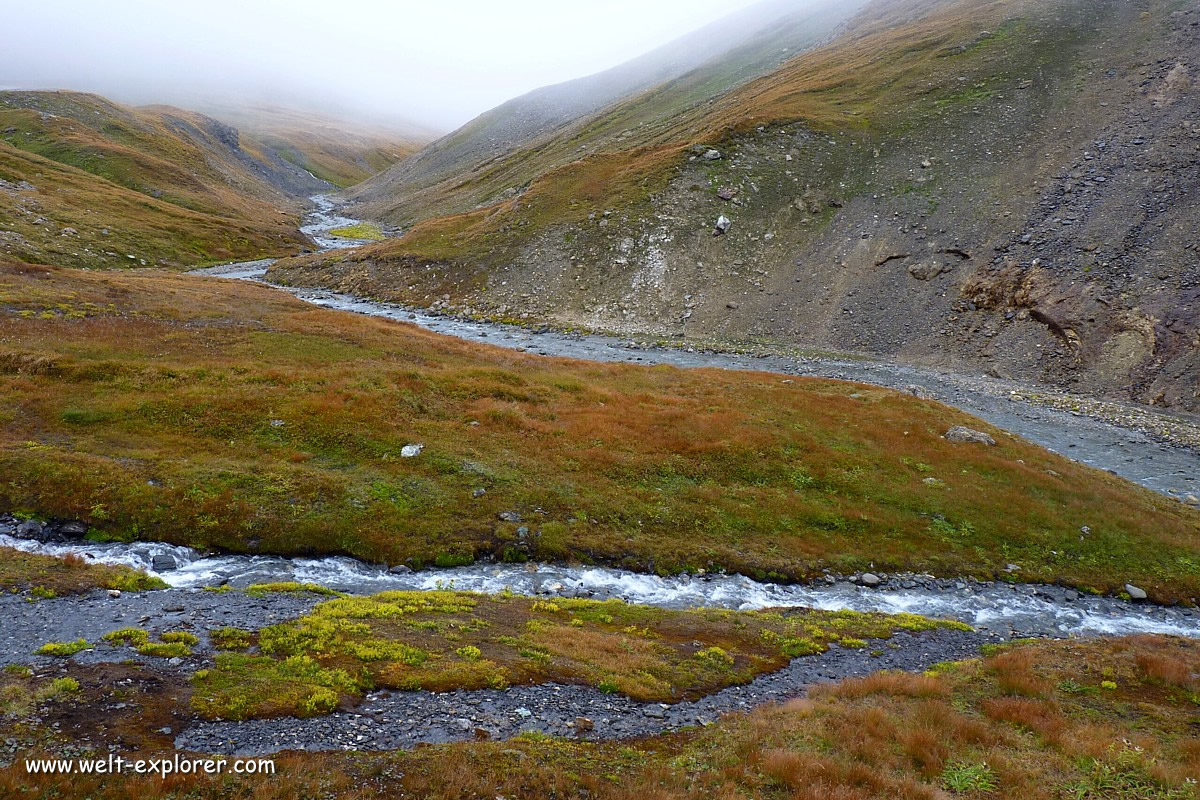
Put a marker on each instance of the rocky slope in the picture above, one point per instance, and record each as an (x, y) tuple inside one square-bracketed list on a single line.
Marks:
[(494, 156), (997, 186)]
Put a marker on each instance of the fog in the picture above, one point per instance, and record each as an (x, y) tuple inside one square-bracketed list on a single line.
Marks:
[(433, 63)]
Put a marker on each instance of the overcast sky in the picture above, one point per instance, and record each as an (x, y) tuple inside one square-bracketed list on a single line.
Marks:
[(438, 62)]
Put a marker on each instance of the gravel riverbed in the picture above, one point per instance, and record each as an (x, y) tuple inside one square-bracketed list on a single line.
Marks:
[(394, 720)]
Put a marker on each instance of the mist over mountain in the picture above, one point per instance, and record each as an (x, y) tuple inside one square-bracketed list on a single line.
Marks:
[(437, 65)]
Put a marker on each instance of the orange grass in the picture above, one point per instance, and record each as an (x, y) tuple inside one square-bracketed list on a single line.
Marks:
[(1133, 742), (221, 414)]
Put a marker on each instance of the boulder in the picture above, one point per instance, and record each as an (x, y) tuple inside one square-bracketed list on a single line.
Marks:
[(964, 435), (870, 579), (712, 155), (723, 225), (74, 529), (1134, 592), (30, 529), (928, 270), (163, 562)]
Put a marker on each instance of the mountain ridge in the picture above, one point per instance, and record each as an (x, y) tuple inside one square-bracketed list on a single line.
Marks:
[(888, 195)]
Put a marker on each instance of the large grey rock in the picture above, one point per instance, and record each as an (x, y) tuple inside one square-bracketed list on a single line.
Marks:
[(712, 155), (30, 529), (163, 562), (870, 579), (74, 529), (965, 435), (1134, 592)]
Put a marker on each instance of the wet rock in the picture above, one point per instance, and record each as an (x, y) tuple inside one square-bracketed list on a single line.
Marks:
[(870, 579), (400, 569), (162, 562), (30, 529), (964, 435), (1135, 592), (73, 529)]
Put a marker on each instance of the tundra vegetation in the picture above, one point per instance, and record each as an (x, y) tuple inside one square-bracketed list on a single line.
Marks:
[(1030, 720), (226, 415), (445, 640)]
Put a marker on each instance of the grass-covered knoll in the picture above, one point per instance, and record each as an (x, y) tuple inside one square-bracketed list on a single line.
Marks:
[(440, 641), (45, 577), (221, 414), (1094, 720), (84, 181)]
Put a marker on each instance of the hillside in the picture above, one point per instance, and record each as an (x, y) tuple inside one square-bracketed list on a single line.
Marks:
[(995, 185), (494, 156), (340, 151), (217, 413), (88, 182)]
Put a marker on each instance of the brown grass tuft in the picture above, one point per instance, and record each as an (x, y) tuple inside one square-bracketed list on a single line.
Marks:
[(894, 684)]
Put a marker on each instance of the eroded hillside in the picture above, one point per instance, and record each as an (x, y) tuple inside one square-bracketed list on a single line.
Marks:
[(984, 184)]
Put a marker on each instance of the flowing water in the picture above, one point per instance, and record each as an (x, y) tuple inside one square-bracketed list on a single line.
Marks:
[(997, 607)]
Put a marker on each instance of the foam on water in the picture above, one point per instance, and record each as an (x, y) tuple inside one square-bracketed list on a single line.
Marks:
[(996, 607)]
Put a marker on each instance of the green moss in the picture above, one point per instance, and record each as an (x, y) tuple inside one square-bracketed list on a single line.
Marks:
[(261, 589), (164, 649), (181, 637), (63, 649), (129, 636), (364, 230), (229, 638), (242, 686)]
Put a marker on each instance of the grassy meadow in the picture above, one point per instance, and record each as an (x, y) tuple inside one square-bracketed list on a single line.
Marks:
[(227, 415)]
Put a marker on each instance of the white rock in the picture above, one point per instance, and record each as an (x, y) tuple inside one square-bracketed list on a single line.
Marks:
[(411, 450)]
